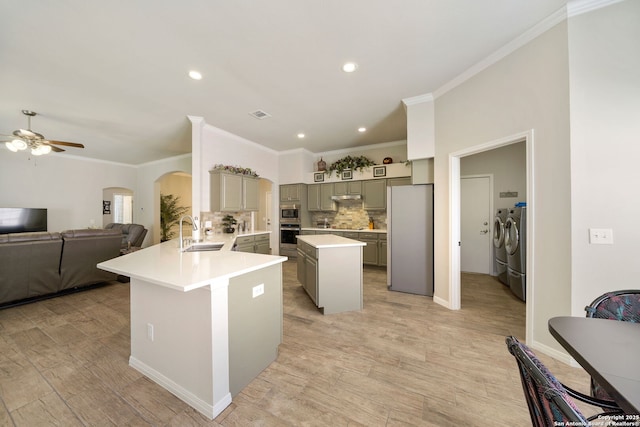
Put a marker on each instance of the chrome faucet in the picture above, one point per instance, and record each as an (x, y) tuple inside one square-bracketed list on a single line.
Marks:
[(195, 227)]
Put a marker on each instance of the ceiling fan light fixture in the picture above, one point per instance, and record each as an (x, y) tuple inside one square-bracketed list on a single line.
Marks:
[(40, 150), (11, 147), (19, 144)]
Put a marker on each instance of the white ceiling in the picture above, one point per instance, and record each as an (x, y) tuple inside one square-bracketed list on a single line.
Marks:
[(113, 74)]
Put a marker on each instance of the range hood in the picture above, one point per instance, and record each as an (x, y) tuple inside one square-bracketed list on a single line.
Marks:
[(346, 197)]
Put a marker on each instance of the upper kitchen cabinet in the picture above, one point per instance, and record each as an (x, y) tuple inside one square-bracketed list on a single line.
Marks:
[(391, 182), (347, 188), (319, 197), (374, 194), (291, 192), (233, 192)]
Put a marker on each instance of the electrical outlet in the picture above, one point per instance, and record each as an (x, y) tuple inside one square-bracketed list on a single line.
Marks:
[(601, 236), (258, 290), (150, 331)]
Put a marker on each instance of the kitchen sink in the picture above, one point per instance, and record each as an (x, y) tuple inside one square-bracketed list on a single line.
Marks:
[(205, 247)]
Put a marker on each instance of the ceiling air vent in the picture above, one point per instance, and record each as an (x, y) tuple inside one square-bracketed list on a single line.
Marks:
[(260, 115)]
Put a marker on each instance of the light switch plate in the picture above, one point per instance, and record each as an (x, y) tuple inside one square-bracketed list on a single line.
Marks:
[(601, 236)]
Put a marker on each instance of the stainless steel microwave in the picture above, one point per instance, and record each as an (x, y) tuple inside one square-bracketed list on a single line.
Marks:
[(289, 212)]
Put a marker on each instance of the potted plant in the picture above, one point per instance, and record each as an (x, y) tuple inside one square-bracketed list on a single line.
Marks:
[(228, 222), (358, 163), (170, 213)]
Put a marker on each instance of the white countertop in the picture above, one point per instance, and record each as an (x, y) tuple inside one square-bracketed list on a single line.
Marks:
[(329, 241), (165, 265), (347, 230)]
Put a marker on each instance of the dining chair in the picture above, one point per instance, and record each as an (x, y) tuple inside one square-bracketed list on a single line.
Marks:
[(550, 402), (623, 305)]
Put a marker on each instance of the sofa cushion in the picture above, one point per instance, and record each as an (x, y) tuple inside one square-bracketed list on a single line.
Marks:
[(30, 264), (82, 250), (132, 234)]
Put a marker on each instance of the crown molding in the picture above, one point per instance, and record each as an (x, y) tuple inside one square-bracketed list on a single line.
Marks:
[(419, 99), (535, 31), (578, 7)]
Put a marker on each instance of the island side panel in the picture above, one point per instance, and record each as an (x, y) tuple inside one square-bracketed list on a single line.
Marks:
[(255, 324), (340, 279), (173, 343)]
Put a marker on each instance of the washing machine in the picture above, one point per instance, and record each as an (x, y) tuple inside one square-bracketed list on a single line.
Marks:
[(515, 242), (498, 245)]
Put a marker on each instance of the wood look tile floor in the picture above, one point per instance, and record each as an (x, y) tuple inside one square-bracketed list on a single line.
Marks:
[(401, 361)]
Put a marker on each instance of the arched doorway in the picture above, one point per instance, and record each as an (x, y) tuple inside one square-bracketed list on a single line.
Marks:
[(175, 184), (117, 205)]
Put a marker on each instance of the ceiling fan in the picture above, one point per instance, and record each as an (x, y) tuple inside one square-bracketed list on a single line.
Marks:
[(22, 139)]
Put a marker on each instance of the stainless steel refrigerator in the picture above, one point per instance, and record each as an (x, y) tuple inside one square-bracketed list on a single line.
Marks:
[(410, 239)]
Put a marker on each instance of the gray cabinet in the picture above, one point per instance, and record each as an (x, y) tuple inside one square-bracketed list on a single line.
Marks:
[(250, 196), (347, 188), (375, 253), (307, 232), (370, 252), (319, 197), (258, 244), (291, 192), (382, 250), (374, 194), (332, 276), (232, 192), (308, 270), (398, 181)]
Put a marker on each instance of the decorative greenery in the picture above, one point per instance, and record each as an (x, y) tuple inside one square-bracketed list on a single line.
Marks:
[(228, 222), (354, 163), (235, 169), (170, 213)]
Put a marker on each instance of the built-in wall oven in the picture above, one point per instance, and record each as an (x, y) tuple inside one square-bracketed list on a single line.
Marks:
[(288, 239)]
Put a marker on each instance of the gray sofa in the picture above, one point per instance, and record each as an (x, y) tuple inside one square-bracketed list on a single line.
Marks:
[(43, 264), (132, 234)]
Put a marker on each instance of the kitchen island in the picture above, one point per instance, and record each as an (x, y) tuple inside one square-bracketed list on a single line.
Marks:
[(203, 323), (330, 271)]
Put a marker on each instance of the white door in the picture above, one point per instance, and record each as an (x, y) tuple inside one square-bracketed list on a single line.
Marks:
[(475, 224)]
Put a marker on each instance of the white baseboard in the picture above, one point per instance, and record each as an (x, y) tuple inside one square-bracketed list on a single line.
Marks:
[(206, 409), (441, 301)]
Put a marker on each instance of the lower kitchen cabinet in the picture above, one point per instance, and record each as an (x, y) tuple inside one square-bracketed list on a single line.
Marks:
[(382, 250), (257, 243), (331, 274)]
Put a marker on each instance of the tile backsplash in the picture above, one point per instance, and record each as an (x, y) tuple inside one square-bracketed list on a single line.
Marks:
[(351, 215)]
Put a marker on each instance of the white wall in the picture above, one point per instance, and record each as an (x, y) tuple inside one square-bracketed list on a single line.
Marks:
[(216, 146), (69, 187), (605, 124), (528, 89)]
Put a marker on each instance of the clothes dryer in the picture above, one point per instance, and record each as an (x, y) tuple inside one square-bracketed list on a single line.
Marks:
[(515, 230), (498, 245)]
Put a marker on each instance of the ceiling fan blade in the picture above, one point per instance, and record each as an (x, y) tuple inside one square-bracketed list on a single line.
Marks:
[(56, 149), (68, 144)]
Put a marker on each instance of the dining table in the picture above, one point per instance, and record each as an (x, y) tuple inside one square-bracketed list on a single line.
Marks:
[(609, 350)]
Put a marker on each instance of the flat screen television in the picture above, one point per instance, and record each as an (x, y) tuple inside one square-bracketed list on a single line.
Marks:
[(20, 220)]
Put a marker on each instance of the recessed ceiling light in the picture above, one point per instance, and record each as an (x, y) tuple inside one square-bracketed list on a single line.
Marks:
[(362, 129), (349, 67), (301, 135), (195, 75)]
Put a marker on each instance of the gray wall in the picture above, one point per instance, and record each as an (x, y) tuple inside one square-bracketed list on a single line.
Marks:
[(605, 123), (507, 165)]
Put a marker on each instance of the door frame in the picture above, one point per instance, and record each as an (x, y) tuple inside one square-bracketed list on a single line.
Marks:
[(454, 218), (491, 212)]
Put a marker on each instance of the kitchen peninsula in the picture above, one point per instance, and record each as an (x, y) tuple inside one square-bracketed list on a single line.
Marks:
[(203, 323), (330, 270)]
